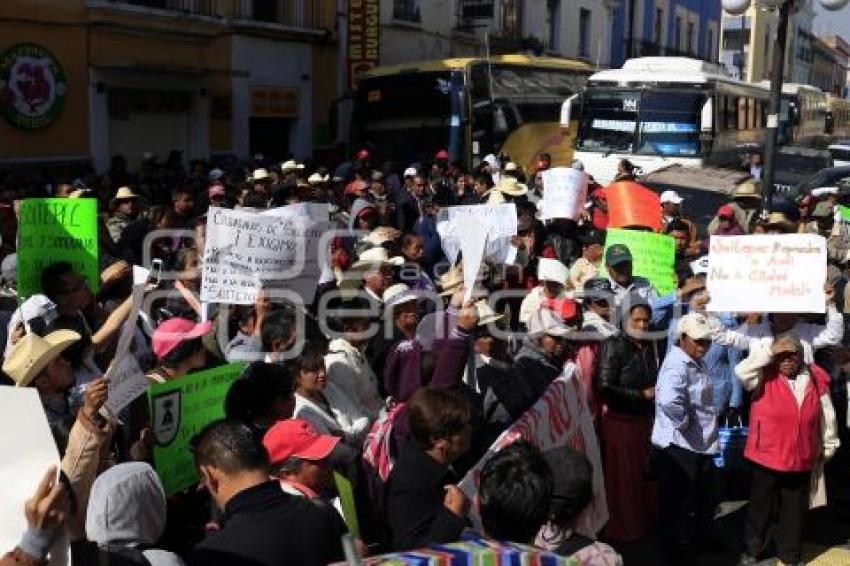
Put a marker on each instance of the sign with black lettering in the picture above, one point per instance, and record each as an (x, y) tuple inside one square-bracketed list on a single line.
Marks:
[(56, 229)]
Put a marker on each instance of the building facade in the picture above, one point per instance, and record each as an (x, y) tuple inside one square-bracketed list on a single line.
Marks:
[(416, 30), (833, 62), (686, 28), (200, 77)]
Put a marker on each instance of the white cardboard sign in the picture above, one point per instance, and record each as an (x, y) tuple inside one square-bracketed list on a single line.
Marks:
[(246, 251), (29, 451), (564, 193), (767, 273), (499, 219)]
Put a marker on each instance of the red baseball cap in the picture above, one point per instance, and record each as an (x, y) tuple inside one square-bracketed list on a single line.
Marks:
[(442, 154), (297, 438), (363, 154), (726, 210), (173, 331)]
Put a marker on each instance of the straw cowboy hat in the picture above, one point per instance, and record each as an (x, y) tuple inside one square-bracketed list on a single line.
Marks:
[(486, 315), (260, 175), (450, 280), (316, 179), (511, 187), (123, 193), (397, 294), (33, 353), (376, 256), (748, 189), (781, 220), (291, 165)]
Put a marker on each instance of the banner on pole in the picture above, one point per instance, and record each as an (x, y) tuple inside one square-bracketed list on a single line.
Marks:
[(56, 229), (767, 273), (653, 256), (179, 410)]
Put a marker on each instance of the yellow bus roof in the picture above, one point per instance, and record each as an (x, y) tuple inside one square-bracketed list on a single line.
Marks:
[(462, 62)]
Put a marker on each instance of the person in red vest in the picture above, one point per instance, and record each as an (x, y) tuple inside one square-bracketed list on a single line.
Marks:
[(792, 432)]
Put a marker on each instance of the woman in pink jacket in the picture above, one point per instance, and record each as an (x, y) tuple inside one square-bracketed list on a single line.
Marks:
[(792, 431)]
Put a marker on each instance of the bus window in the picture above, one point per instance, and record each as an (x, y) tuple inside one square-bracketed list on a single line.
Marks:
[(731, 113)]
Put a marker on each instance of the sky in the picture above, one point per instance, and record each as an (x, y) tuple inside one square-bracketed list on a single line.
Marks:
[(827, 22)]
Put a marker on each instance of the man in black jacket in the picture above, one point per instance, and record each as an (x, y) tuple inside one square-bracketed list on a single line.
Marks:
[(263, 526), (423, 505)]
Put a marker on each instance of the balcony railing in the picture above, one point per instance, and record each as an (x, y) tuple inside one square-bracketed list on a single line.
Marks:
[(642, 48), (198, 7), (310, 14)]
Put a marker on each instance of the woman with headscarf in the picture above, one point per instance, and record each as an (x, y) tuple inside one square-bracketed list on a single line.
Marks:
[(626, 371)]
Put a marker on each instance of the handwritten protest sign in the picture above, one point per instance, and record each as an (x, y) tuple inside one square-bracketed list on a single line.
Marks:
[(29, 450), (632, 204), (179, 410), (56, 229), (126, 379), (560, 419), (767, 273), (653, 256), (564, 193), (247, 251), (500, 220)]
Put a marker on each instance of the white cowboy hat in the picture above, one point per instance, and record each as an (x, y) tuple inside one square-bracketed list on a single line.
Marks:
[(486, 315), (398, 294), (376, 256), (124, 193), (511, 187), (316, 179), (32, 354), (259, 175), (450, 280), (291, 165)]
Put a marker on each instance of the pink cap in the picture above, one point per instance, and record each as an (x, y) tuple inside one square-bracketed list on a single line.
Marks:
[(442, 154), (297, 438), (173, 331), (216, 190)]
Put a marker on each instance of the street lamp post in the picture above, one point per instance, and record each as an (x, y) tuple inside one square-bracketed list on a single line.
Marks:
[(785, 8)]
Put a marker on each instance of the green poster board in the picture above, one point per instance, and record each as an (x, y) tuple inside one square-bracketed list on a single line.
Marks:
[(845, 212), (653, 255), (56, 229), (179, 410)]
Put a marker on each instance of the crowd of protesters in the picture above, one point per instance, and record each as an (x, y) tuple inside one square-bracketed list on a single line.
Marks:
[(403, 413)]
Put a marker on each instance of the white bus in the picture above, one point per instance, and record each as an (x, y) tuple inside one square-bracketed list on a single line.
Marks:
[(802, 114), (660, 111)]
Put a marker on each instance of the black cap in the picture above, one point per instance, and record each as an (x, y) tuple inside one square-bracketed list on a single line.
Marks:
[(598, 285), (593, 236)]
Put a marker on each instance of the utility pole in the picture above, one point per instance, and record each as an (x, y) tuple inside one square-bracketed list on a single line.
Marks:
[(776, 78)]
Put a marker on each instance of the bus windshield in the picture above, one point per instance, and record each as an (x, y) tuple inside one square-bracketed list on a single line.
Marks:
[(608, 121), (647, 123), (409, 116), (670, 123)]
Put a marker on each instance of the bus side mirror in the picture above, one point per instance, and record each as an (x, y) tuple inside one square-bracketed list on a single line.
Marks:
[(567, 111), (707, 116)]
